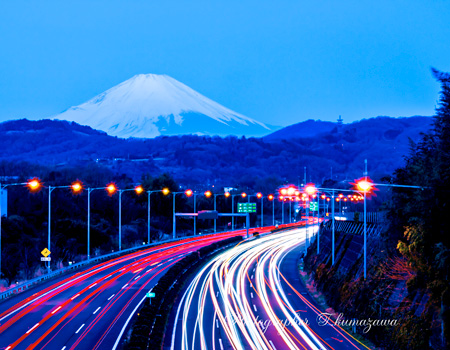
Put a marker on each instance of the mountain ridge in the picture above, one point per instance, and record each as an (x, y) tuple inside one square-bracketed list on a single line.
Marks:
[(150, 105)]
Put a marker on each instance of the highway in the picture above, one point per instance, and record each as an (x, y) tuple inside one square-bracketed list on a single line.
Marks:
[(250, 297), (89, 309)]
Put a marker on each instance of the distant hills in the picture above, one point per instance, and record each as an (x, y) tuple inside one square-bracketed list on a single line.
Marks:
[(194, 159), (150, 105)]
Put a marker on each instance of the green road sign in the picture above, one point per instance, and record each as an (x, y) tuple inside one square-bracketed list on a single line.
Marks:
[(150, 295), (313, 206), (246, 207)]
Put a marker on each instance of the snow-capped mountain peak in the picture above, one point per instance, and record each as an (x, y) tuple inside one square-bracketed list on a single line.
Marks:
[(149, 105)]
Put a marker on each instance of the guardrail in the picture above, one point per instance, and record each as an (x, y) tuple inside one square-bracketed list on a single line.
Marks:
[(30, 283)]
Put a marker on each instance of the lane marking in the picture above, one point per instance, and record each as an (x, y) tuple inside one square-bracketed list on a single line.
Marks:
[(125, 286), (92, 285), (217, 323), (126, 323), (97, 310), (220, 342), (75, 296), (137, 270), (149, 270), (108, 277), (154, 263), (63, 348), (254, 307), (159, 265), (137, 277), (79, 329), (273, 346), (110, 297), (251, 293), (37, 324), (135, 264), (251, 277), (217, 294), (59, 307)]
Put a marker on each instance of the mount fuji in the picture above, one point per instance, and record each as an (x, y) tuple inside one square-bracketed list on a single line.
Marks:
[(150, 105)]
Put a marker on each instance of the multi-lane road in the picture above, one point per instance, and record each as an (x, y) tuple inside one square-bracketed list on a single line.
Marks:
[(250, 297), (89, 309)]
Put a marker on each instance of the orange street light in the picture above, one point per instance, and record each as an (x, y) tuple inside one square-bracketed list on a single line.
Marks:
[(243, 194), (208, 194), (227, 194), (139, 189), (270, 197), (34, 184), (77, 187), (310, 189), (259, 195), (364, 185), (111, 188), (283, 191), (188, 193), (165, 191)]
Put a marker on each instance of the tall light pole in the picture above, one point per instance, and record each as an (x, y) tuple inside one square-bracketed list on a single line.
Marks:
[(188, 193), (165, 191), (33, 185), (270, 197), (226, 194), (259, 195), (208, 194), (76, 188), (138, 189), (243, 195)]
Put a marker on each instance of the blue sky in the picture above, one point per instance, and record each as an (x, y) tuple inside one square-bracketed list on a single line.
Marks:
[(279, 62)]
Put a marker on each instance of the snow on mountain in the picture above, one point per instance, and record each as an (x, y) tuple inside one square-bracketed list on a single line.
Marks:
[(149, 105)]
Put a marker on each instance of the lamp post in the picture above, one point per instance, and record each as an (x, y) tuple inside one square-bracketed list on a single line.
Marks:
[(165, 191), (138, 189), (76, 188), (271, 198), (174, 227), (243, 195), (226, 194), (33, 185)]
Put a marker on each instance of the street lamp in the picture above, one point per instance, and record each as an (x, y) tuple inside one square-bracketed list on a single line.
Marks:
[(270, 197), (112, 189), (365, 186), (76, 187), (259, 195), (165, 191), (188, 193), (243, 195), (226, 194), (34, 185)]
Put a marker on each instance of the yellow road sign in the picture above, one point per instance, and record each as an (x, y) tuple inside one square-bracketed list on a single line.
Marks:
[(45, 252)]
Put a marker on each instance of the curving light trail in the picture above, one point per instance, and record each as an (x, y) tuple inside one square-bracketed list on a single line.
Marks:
[(237, 301)]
